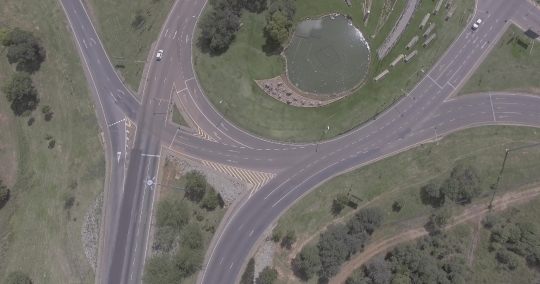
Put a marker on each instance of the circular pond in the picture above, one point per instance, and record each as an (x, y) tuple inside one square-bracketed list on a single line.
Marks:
[(327, 56)]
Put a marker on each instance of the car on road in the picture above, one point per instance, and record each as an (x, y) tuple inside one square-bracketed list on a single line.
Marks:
[(159, 55), (477, 24)]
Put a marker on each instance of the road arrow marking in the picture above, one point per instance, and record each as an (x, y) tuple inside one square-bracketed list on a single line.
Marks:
[(93, 40), (118, 155)]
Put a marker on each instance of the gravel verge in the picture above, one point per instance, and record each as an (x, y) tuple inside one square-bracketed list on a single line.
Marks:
[(90, 231), (264, 256)]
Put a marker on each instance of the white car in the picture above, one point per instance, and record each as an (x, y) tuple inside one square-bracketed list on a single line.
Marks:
[(477, 24), (159, 55)]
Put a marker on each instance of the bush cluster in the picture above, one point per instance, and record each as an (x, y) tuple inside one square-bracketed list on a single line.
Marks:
[(464, 184)]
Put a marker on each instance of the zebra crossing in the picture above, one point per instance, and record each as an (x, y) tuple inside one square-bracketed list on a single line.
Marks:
[(257, 179), (201, 134)]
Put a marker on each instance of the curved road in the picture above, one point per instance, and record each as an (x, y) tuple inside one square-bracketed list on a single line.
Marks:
[(425, 114)]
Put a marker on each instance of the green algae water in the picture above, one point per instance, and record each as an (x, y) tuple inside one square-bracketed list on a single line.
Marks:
[(327, 56)]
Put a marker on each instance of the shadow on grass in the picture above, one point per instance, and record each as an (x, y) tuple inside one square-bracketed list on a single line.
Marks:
[(49, 116), (271, 47), (31, 121), (204, 46)]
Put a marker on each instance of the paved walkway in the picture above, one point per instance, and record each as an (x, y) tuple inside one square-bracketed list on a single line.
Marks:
[(398, 29)]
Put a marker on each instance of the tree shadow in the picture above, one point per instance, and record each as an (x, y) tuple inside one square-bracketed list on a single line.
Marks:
[(323, 280), (118, 66), (431, 229), (428, 200), (271, 47), (303, 277), (51, 144), (523, 44), (5, 200), (256, 6), (31, 121), (49, 116)]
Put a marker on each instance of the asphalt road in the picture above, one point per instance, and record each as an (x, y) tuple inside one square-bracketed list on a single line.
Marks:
[(428, 112)]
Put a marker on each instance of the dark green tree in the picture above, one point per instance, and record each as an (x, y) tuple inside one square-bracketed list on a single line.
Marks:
[(25, 47), (218, 29), (440, 219), (249, 273), (191, 236), (307, 261), (278, 27), (174, 214), (332, 249), (400, 279), (277, 234), (5, 37), (211, 199), (339, 203), (20, 92), (45, 109), (159, 270), (195, 185), (18, 277), (397, 205), (379, 270), (286, 7), (268, 275), (290, 237), (358, 277), (188, 261), (507, 260), (463, 184)]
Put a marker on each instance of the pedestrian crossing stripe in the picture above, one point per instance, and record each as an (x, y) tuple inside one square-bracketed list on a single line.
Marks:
[(201, 134), (257, 179)]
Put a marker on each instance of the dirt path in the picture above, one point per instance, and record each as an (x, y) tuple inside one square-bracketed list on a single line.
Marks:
[(478, 210)]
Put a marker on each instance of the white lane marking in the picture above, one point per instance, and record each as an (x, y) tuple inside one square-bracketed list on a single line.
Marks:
[(113, 97), (187, 38), (117, 122), (174, 34), (492, 110), (166, 33), (86, 46), (93, 40), (150, 155), (251, 233)]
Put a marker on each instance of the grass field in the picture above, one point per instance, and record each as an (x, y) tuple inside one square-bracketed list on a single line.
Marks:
[(230, 76), (512, 66), (400, 177), (116, 26), (38, 234)]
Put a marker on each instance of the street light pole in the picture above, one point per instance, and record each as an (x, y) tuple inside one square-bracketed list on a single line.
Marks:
[(325, 130), (223, 116)]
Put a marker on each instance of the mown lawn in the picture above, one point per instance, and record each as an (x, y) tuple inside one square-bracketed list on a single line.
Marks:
[(512, 66), (230, 75), (39, 233)]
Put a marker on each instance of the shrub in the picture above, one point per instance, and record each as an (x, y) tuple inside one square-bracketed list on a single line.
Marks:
[(268, 275)]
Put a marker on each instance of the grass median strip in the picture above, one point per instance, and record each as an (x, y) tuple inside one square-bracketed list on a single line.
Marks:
[(128, 29), (230, 75), (511, 66), (398, 179)]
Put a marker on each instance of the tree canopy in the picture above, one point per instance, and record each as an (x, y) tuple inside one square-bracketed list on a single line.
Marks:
[(25, 47), (4, 193), (20, 92), (307, 261), (249, 273), (268, 275), (5, 37), (195, 185), (278, 27)]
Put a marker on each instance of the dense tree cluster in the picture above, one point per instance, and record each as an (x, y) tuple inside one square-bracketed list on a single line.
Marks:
[(514, 240), (279, 19), (340, 241), (170, 218), (20, 92), (463, 184), (430, 260), (198, 190), (307, 261), (186, 261), (440, 219)]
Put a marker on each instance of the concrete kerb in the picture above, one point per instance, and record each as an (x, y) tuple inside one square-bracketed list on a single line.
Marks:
[(192, 126)]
